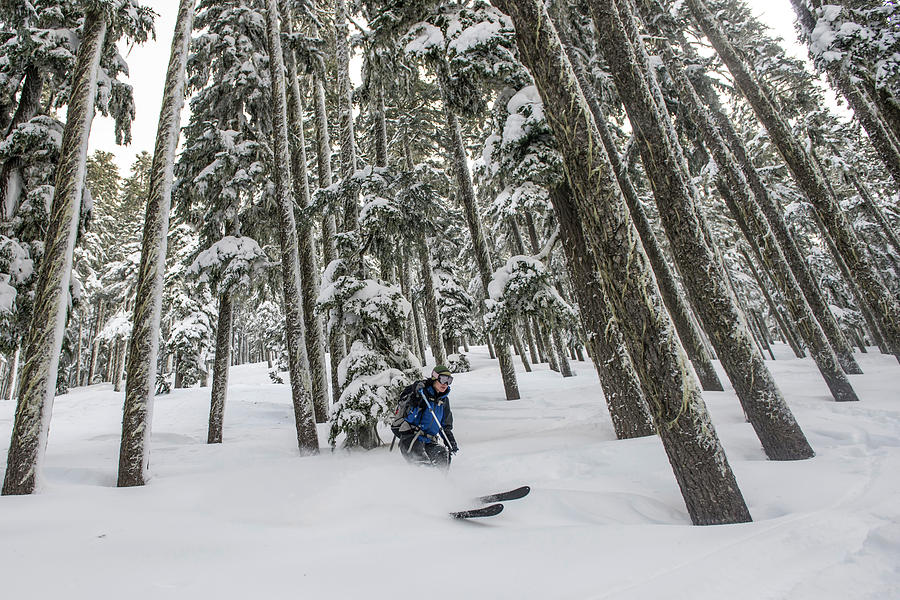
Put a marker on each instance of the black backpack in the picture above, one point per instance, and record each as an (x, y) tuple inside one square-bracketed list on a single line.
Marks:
[(399, 424)]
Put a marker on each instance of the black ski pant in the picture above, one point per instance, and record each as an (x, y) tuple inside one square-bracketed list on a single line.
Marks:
[(422, 451)]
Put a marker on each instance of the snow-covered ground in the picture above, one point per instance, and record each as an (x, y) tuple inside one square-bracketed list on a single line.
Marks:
[(250, 518)]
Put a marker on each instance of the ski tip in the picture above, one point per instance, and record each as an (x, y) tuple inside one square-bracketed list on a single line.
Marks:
[(475, 513), (519, 492)]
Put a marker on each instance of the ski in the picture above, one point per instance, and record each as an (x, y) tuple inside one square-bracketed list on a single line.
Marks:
[(484, 511), (515, 494)]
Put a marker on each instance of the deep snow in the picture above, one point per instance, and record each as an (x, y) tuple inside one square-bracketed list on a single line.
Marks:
[(250, 518)]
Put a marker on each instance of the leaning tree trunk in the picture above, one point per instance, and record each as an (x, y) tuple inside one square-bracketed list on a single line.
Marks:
[(314, 338), (304, 418), (675, 303), (221, 364), (872, 206), (432, 313), (882, 138), (864, 308), (739, 199), (762, 284), (707, 483), (760, 397), (457, 151), (44, 339), (885, 307), (140, 384), (663, 26)]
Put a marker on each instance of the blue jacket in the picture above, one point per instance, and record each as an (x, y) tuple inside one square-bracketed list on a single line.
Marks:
[(419, 415)]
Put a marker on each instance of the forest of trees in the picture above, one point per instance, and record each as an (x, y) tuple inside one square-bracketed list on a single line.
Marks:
[(650, 185)]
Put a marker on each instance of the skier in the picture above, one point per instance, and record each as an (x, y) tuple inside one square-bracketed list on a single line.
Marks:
[(426, 428)]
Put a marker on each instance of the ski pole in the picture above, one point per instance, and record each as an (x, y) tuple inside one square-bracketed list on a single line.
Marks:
[(434, 416)]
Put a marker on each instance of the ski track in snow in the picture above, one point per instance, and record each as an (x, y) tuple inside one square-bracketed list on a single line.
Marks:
[(605, 519)]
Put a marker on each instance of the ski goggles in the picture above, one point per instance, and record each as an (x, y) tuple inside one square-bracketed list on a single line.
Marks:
[(444, 378)]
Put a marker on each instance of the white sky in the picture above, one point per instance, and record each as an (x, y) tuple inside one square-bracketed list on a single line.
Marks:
[(147, 65)]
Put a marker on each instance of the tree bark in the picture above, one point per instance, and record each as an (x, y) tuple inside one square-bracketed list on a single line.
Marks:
[(140, 385), (661, 25), (95, 343), (44, 339), (520, 349), (121, 346), (221, 364), (406, 289), (562, 360), (738, 197), (705, 280), (707, 483), (432, 313), (783, 325), (809, 180), (314, 337), (336, 350), (304, 418), (466, 194), (688, 334)]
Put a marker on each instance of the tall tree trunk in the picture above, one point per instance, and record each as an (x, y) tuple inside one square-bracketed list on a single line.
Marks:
[(95, 344), (381, 143), (314, 338), (739, 199), (705, 280), (432, 313), (707, 483), (345, 111), (561, 359), (420, 329), (663, 26), (864, 308), (121, 346), (336, 350), (409, 334), (221, 364), (688, 334), (520, 348), (773, 307), (75, 378), (885, 307), (304, 418), (44, 339), (519, 248), (872, 206), (140, 384), (457, 151)]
